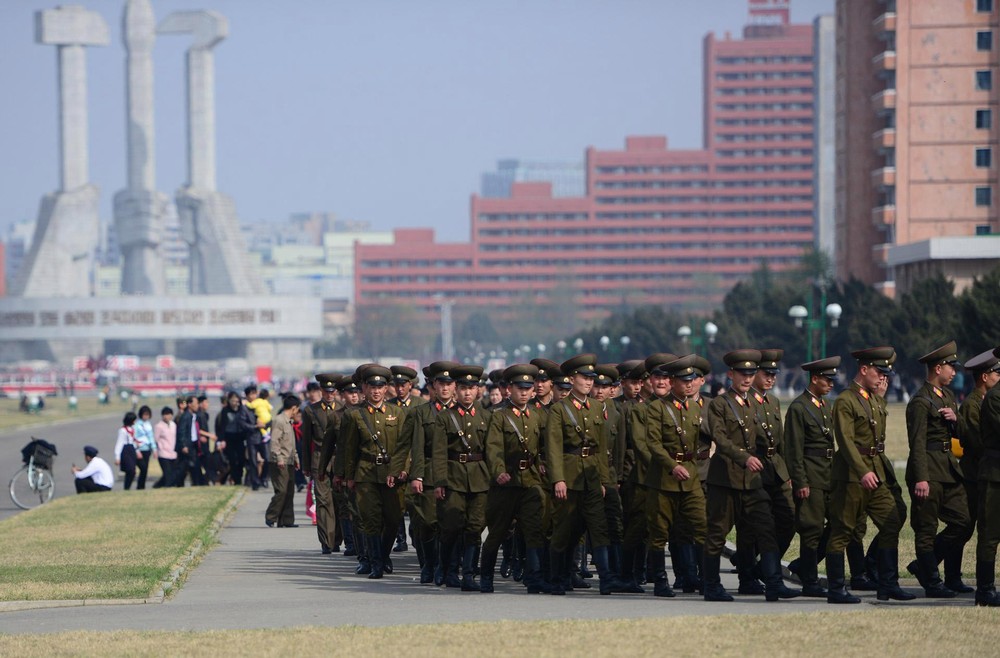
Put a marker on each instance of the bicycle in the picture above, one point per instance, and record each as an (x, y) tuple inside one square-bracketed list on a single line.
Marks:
[(34, 485)]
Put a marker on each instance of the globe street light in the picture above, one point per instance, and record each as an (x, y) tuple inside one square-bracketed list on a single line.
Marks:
[(578, 345), (801, 316), (561, 346)]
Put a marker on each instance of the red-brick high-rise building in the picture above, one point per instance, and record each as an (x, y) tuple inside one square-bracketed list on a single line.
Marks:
[(676, 228)]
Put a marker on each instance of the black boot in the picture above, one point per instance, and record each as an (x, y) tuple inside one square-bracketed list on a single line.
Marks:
[(400, 538), (347, 527), (558, 572), (487, 566), (449, 562), (953, 571), (986, 592), (583, 562), (770, 565), (469, 568), (696, 553), (808, 574), (517, 559), (533, 578), (364, 555), (888, 576), (376, 556), (795, 565), (575, 571), (387, 567), (442, 563), (615, 558), (429, 548), (746, 567), (933, 587), (656, 572), (677, 564), (639, 565), (714, 591), (610, 582), (861, 579), (687, 564), (627, 572), (836, 592)]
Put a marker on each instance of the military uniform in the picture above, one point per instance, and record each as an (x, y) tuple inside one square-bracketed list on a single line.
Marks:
[(859, 427), (512, 445), (809, 449), (319, 420), (989, 499), (371, 434), (931, 461), (672, 428), (458, 442)]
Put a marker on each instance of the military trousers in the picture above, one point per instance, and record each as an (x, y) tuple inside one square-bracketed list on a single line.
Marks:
[(504, 504), (614, 514), (989, 522), (326, 512), (379, 507), (665, 510), (811, 516), (281, 510), (582, 510), (947, 503), (633, 497), (751, 508), (462, 515), (423, 514), (851, 503), (345, 503)]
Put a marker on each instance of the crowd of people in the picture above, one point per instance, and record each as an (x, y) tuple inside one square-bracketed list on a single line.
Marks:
[(622, 466)]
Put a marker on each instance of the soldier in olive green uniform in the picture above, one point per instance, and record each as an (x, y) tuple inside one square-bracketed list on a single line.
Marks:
[(989, 499), (933, 475), (576, 460), (614, 438), (674, 489), (421, 501), (371, 434), (735, 491), (403, 378), (858, 477), (512, 444), (985, 371), (461, 480), (809, 448), (318, 420)]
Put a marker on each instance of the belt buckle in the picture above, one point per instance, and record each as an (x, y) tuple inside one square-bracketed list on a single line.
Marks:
[(770, 451), (946, 446), (379, 459), (679, 457), (880, 448), (872, 451), (463, 458), (585, 451), (522, 465), (829, 453)]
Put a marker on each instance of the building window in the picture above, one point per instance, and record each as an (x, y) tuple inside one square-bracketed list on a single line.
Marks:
[(984, 80), (984, 5), (984, 196), (984, 229), (984, 40), (984, 157), (984, 119)]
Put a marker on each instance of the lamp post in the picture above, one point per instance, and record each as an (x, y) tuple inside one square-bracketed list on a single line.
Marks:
[(700, 340), (616, 353), (561, 346), (578, 345), (801, 316)]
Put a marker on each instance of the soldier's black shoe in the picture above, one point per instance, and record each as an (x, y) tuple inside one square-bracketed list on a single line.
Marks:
[(933, 587), (793, 566), (714, 591), (770, 566), (953, 570), (517, 569), (814, 591), (751, 587), (364, 567), (387, 566), (269, 523), (662, 588), (326, 550), (577, 581), (717, 593), (506, 550), (485, 583), (533, 579), (863, 584), (837, 593), (400, 547), (888, 577), (939, 591), (841, 595), (375, 556), (894, 593), (430, 561), (916, 570), (958, 586), (986, 593)]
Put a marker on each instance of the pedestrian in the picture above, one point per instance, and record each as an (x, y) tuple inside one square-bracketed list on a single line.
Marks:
[(145, 444), (236, 424), (283, 462), (190, 446), (318, 420), (126, 455), (165, 435), (95, 476), (257, 402), (989, 499)]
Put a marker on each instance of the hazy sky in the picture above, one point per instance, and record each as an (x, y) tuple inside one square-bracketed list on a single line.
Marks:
[(374, 110)]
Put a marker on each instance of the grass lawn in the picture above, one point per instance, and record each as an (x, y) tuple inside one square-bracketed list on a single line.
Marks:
[(885, 631), (57, 409), (103, 546)]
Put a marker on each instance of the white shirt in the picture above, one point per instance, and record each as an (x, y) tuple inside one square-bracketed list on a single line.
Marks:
[(100, 471)]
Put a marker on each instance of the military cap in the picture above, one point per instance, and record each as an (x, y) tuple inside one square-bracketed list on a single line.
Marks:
[(879, 357), (562, 381), (702, 365), (328, 381), (625, 368), (745, 361), (521, 375), (988, 361), (607, 374), (638, 372), (682, 368), (769, 360), (440, 371), (582, 364), (467, 374), (947, 353), (496, 376), (402, 374), (358, 375), (375, 375), (347, 384), (825, 367), (547, 369), (654, 362)]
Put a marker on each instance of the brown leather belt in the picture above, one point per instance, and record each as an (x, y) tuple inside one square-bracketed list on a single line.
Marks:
[(826, 453), (464, 457), (520, 464), (871, 451), (770, 451), (376, 459), (582, 451), (683, 456), (704, 454), (939, 446)]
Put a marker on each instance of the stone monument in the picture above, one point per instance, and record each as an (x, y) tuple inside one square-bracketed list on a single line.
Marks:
[(60, 261)]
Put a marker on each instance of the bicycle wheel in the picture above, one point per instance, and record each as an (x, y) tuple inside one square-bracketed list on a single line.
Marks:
[(26, 494)]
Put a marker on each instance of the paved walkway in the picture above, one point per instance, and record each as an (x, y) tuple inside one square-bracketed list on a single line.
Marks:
[(271, 578)]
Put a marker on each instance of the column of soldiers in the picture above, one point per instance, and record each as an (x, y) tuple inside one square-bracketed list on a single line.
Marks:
[(559, 470)]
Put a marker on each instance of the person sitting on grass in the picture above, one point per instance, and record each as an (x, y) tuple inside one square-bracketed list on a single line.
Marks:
[(95, 476)]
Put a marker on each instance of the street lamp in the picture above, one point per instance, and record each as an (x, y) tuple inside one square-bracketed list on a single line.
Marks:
[(541, 349), (698, 340), (578, 345), (801, 316), (604, 341), (624, 340), (561, 346)]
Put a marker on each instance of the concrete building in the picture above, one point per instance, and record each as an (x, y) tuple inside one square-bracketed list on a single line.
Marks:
[(825, 134), (917, 121), (655, 225)]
